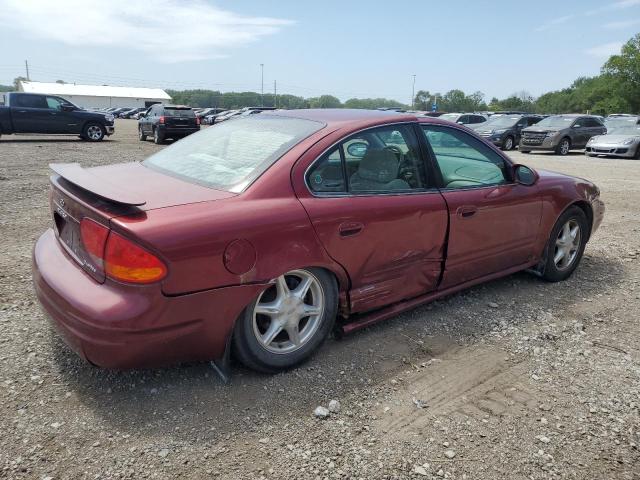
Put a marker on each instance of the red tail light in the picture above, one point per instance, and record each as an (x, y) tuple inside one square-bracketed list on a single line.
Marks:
[(161, 119), (118, 257), (126, 261)]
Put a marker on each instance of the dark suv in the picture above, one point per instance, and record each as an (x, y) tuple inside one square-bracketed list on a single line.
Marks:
[(167, 121), (561, 133), (505, 130)]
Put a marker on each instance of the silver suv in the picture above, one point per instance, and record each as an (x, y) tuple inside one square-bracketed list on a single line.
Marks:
[(561, 133)]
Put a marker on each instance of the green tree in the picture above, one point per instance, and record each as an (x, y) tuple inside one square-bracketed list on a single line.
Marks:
[(625, 68), (325, 101)]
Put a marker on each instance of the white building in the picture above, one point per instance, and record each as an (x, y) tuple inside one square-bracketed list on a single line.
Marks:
[(99, 96)]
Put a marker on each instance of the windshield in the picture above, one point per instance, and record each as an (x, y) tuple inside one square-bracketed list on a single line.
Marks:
[(179, 112), (612, 123), (625, 130), (230, 155), (452, 117), (502, 121), (556, 122)]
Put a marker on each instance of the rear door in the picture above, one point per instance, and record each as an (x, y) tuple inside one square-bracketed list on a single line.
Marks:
[(493, 221), (30, 113), (375, 208)]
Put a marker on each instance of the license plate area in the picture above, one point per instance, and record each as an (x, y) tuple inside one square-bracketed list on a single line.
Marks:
[(69, 233)]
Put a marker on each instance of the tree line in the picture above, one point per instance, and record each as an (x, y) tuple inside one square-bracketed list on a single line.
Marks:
[(615, 90)]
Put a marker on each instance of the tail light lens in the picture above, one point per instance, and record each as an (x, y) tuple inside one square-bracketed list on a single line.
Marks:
[(94, 237), (161, 120), (126, 261), (119, 258)]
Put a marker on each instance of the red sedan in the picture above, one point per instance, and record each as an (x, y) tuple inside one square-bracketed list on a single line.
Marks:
[(255, 235)]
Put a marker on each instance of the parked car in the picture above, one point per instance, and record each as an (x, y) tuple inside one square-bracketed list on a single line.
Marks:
[(48, 114), (505, 130), (464, 118), (132, 112), (620, 120), (257, 234), (623, 142), (167, 121), (561, 133), (225, 116)]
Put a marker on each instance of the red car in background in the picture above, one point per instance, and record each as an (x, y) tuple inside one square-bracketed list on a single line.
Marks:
[(255, 235)]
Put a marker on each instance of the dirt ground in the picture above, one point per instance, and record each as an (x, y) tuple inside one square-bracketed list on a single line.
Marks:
[(515, 379)]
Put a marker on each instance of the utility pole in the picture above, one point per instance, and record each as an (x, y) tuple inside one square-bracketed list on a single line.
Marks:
[(275, 95), (262, 82), (413, 93), (26, 65)]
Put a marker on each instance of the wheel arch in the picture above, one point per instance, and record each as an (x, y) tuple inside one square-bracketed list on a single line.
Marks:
[(588, 211)]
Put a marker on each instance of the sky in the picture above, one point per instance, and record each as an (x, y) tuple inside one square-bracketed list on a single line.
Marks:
[(348, 48)]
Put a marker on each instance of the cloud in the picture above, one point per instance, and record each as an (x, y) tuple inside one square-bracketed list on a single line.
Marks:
[(168, 30), (611, 7), (554, 22), (621, 24), (605, 50)]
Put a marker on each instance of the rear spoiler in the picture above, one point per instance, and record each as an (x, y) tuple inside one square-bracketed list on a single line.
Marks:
[(85, 179)]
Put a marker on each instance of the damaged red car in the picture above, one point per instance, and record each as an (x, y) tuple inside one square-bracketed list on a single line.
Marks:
[(261, 235)]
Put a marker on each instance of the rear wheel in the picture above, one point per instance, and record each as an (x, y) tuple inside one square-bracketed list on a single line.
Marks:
[(636, 156), (563, 147), (158, 136), (141, 136), (288, 321), (508, 143), (93, 132), (566, 245)]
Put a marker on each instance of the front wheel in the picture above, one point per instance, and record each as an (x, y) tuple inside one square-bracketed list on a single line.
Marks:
[(508, 143), (566, 245), (288, 321), (563, 147), (93, 132)]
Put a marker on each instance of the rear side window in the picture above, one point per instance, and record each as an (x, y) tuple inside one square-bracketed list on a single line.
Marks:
[(231, 155), (29, 101), (179, 112)]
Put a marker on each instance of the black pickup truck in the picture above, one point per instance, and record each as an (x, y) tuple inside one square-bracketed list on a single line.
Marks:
[(51, 115)]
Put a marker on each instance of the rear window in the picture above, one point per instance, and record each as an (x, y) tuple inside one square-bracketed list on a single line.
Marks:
[(230, 155), (179, 112)]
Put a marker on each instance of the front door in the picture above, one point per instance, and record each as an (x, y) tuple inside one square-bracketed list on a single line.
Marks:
[(493, 221), (377, 213), (61, 120)]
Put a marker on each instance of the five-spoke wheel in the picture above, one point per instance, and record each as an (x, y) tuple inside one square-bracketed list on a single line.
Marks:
[(288, 321)]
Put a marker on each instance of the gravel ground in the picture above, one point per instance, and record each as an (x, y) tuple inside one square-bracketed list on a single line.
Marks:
[(515, 379)]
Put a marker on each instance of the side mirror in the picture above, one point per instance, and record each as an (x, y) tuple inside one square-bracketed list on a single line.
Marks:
[(142, 115), (67, 108), (524, 175)]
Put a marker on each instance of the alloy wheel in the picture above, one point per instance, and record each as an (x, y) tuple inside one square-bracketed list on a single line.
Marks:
[(567, 245), (287, 315), (508, 143), (564, 147), (94, 132)]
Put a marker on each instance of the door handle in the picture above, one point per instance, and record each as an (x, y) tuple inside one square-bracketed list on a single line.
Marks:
[(466, 211), (349, 229)]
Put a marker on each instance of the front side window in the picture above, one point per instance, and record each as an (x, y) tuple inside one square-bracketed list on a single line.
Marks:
[(55, 103), (233, 154), (380, 160), (464, 161)]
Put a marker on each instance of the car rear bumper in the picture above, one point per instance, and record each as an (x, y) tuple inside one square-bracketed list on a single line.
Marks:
[(181, 131), (114, 325)]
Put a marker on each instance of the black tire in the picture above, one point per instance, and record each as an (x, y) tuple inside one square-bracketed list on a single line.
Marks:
[(560, 148), (249, 351), (141, 136), (552, 273), (158, 136), (636, 156), (93, 132), (508, 143)]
